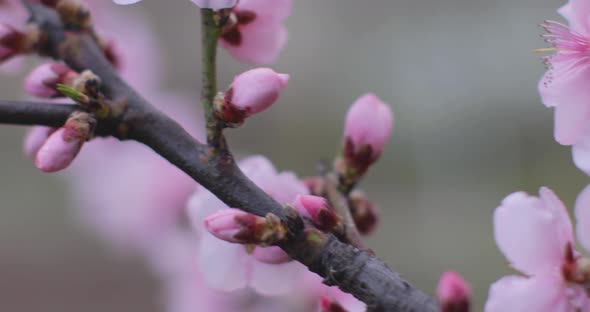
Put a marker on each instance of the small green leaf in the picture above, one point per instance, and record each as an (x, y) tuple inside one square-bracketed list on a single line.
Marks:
[(69, 92)]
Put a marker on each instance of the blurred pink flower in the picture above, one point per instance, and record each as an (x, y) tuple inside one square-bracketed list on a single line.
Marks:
[(258, 34), (229, 267), (42, 81), (536, 236), (126, 192)]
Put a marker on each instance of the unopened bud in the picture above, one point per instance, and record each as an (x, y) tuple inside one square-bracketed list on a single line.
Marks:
[(63, 145), (329, 305), (250, 93), (43, 80), (318, 211), (368, 126), (364, 213), (453, 292), (236, 226), (271, 255), (13, 41)]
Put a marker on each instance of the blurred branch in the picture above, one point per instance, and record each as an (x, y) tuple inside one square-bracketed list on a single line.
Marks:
[(354, 271)]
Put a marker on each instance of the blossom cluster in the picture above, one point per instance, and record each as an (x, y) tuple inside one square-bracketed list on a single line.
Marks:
[(141, 203)]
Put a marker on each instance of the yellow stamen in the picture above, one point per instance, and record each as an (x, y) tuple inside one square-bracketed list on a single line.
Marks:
[(543, 50)]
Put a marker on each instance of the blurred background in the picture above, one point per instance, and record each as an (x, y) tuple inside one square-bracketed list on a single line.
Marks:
[(470, 129)]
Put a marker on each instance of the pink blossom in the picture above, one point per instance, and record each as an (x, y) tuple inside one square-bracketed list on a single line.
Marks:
[(258, 34), (146, 194), (453, 292), (42, 81), (250, 93), (536, 236), (63, 145), (564, 85), (317, 210), (313, 290), (229, 267), (205, 4), (368, 126)]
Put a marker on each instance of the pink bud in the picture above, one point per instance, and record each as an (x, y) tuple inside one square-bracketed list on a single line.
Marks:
[(368, 127), (271, 255), (453, 292), (329, 305), (317, 210), (42, 81), (250, 93), (234, 225), (35, 138), (60, 149), (10, 41)]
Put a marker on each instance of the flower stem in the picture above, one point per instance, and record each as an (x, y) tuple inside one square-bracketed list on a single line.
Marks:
[(210, 35)]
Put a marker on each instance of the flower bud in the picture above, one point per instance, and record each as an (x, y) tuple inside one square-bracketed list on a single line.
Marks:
[(250, 93), (43, 80), (364, 213), (318, 211), (12, 42), (329, 305), (63, 145), (453, 293), (35, 138), (271, 255), (368, 126), (236, 226)]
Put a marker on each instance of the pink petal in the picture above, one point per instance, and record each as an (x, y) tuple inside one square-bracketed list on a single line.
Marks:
[(581, 153), (520, 294), (277, 10), (125, 2), (532, 233), (262, 41), (224, 266), (582, 212), (564, 86), (577, 12), (275, 279), (271, 255)]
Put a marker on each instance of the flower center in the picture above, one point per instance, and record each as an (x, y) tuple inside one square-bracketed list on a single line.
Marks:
[(564, 39), (232, 33)]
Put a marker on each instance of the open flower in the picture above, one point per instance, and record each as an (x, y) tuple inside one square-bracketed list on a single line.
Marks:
[(226, 266), (536, 236), (564, 85), (257, 34)]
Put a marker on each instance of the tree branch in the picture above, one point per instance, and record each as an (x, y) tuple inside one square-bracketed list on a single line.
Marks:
[(354, 271)]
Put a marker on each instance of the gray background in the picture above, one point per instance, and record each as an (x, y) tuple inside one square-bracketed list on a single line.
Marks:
[(469, 130)]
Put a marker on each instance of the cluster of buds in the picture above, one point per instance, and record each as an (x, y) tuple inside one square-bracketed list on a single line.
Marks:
[(53, 80), (368, 126), (62, 145), (453, 292), (236, 226), (14, 42), (250, 93)]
